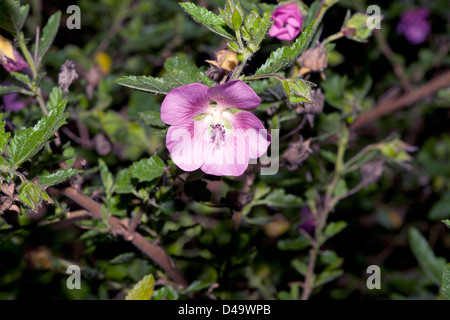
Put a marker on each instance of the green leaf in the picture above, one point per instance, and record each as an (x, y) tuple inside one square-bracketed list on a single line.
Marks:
[(179, 72), (26, 143), (142, 290), (55, 98), (107, 178), (12, 15), (147, 169), (279, 199), (123, 182), (293, 244), (300, 266), (22, 78), (327, 276), (430, 264), (312, 12), (333, 228), (445, 289), (446, 222), (298, 90), (9, 89), (359, 28), (48, 34), (50, 179), (283, 57), (207, 18), (4, 136), (440, 209), (32, 195), (255, 28)]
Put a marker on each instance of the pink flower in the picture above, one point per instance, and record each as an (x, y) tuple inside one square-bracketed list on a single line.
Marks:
[(287, 22), (414, 26), (9, 57), (210, 130)]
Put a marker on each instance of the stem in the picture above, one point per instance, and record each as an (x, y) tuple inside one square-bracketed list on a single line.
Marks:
[(240, 67), (16, 173), (26, 54), (333, 37), (263, 76), (308, 286)]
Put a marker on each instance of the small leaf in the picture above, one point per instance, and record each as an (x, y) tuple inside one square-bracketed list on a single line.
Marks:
[(446, 222), (48, 34), (283, 57), (55, 99), (431, 266), (107, 178), (279, 199), (9, 89), (301, 267), (22, 78), (12, 15), (327, 276), (207, 18), (51, 179), (333, 228), (27, 143), (293, 244), (440, 209), (298, 90), (147, 169), (32, 195), (142, 290)]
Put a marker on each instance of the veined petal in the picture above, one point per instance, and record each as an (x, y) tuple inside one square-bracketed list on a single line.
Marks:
[(253, 137), (234, 94), (227, 159), (183, 103), (188, 144)]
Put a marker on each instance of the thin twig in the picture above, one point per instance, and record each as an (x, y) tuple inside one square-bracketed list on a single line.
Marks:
[(153, 251)]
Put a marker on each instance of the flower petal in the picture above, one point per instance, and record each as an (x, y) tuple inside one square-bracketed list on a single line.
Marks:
[(234, 94), (188, 144), (253, 137), (227, 159), (183, 103)]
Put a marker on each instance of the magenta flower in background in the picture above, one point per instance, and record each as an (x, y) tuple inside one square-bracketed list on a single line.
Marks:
[(309, 223), (210, 128), (11, 102), (287, 22), (414, 26)]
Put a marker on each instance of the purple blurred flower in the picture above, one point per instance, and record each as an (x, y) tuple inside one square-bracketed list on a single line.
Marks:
[(414, 26), (11, 102), (211, 129), (287, 22), (309, 223)]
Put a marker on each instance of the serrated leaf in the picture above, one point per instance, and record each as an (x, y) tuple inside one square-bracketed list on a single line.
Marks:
[(48, 34), (179, 72), (445, 289), (298, 90), (21, 77), (12, 15), (147, 169), (429, 263), (285, 56), (4, 136), (26, 143), (208, 19), (51, 179), (55, 98), (333, 228), (9, 89), (142, 290), (32, 195)]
